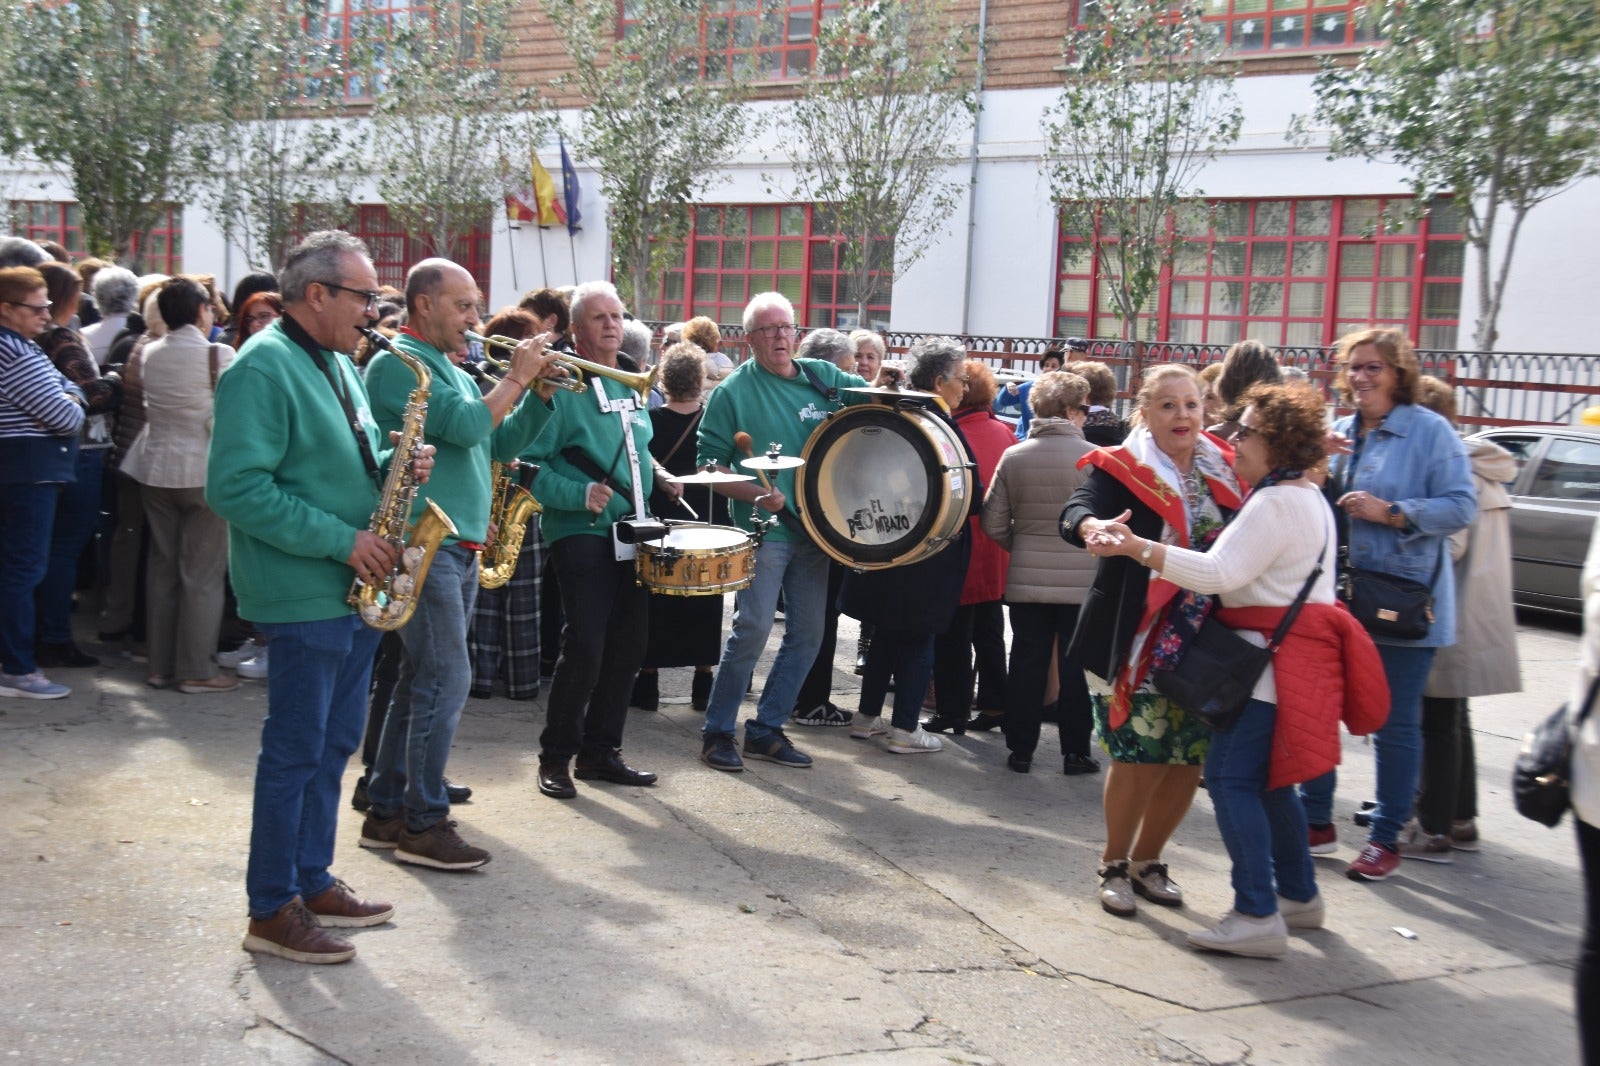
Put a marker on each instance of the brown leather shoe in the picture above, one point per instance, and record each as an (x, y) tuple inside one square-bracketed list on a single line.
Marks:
[(608, 766), (381, 834), (293, 934), (555, 781), (338, 907)]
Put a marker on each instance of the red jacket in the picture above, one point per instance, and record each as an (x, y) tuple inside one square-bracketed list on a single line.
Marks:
[(986, 574), (1327, 670)]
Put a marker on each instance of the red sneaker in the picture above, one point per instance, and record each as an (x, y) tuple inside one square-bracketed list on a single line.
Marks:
[(1324, 840), (1375, 863)]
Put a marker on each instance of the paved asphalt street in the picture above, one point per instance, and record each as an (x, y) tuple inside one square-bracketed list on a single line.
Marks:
[(873, 909)]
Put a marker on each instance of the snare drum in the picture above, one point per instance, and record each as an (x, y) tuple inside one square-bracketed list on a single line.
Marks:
[(884, 486), (696, 560)]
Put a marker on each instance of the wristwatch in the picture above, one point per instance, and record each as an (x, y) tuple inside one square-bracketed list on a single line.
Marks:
[(1396, 513), (1149, 549)]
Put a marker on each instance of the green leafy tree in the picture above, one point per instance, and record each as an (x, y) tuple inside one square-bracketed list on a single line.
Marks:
[(1495, 103), (660, 132), (276, 157), (872, 137), (445, 114), (1146, 104), (110, 93)]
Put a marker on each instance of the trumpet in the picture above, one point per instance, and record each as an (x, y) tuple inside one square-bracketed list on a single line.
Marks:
[(641, 383)]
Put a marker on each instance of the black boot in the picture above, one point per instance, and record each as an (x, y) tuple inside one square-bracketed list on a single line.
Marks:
[(862, 645), (700, 691), (646, 693)]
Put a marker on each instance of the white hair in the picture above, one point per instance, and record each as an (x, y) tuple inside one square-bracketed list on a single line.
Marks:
[(763, 301), (858, 337), (587, 291)]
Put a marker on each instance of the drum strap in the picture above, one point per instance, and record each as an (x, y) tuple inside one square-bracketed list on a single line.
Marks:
[(831, 395)]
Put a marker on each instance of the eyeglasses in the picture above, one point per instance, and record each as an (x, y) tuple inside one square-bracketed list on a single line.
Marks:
[(366, 294), (1367, 368), (1246, 432), (38, 309), (772, 333)]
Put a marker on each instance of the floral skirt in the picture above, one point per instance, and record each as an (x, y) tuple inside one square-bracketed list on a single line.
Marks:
[(1157, 731)]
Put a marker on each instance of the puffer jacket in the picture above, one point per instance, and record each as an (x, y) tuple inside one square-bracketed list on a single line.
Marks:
[(988, 438), (1327, 671), (1023, 506)]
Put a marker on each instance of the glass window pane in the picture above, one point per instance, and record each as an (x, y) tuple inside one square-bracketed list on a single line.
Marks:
[(1313, 218), (1394, 299), (732, 255), (1395, 260), (1437, 338), (1190, 258), (1329, 28), (792, 286), (794, 221), (1223, 331), (1445, 217), (761, 255), (1272, 218), (1355, 300), (1302, 334), (1441, 299), (1074, 294), (1227, 297), (1187, 331), (1231, 219), (1269, 333), (733, 289), (706, 255), (1310, 259), (1357, 260), (791, 255), (1227, 259), (764, 221), (1076, 259), (705, 289), (1305, 299), (1289, 31), (1360, 217), (1446, 259), (1188, 297), (822, 255), (1570, 470), (1249, 35), (1269, 259), (708, 220), (1266, 298), (822, 288), (735, 222)]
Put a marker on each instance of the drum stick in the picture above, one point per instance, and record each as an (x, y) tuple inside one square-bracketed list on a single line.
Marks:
[(745, 443)]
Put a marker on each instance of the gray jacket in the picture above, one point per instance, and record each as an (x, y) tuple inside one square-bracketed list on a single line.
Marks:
[(1022, 511)]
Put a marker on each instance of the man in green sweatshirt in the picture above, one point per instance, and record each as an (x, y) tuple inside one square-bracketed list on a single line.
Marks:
[(293, 468), (410, 810)]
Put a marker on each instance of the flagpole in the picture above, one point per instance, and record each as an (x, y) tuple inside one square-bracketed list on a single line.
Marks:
[(511, 248), (544, 269), (572, 246)]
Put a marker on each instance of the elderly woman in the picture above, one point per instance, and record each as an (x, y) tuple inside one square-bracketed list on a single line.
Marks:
[(1405, 487), (869, 353), (41, 413), (909, 604), (684, 630), (1326, 669), (1247, 364), (1047, 578), (979, 625), (188, 542), (1101, 426), (116, 294), (702, 331), (1172, 484)]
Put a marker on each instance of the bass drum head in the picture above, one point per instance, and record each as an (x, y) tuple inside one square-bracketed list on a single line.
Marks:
[(873, 487)]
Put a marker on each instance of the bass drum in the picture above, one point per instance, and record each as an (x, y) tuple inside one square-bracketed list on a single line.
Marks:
[(884, 486)]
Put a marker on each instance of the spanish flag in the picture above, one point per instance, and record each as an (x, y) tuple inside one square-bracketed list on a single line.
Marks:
[(546, 201)]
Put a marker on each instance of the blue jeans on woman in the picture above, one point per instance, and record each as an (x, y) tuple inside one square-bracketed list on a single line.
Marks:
[(1397, 746), (1264, 829), (77, 515), (27, 514)]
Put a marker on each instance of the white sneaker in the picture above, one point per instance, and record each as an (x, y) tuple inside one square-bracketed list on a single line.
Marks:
[(902, 742), (230, 660), (1308, 915), (867, 726), (1245, 934), (34, 686), (254, 669), (1116, 891)]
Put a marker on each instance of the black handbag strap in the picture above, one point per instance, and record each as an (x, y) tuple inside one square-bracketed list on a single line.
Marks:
[(1299, 602), (1588, 704)]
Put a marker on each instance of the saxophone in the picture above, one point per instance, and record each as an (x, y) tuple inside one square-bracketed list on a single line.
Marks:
[(509, 513), (389, 604)]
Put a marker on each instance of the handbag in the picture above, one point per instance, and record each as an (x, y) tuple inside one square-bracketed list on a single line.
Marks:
[(1219, 669), (1389, 606), (1541, 778)]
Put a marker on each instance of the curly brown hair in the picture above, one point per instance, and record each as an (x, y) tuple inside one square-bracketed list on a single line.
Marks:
[(1396, 350), (704, 332), (1292, 422), (1437, 396), (981, 387), (683, 370), (1102, 382)]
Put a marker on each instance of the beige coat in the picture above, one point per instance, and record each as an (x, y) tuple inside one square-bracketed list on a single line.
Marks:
[(170, 452), (1483, 660), (1022, 511)]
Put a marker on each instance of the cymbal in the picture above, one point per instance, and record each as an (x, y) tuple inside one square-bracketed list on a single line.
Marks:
[(710, 477), (772, 462), (890, 390)]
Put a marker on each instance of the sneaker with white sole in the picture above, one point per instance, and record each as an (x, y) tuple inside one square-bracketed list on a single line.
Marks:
[(1264, 937), (914, 742), (34, 686), (825, 713), (230, 660), (1116, 891), (1377, 862), (1415, 843), (867, 726), (1323, 839), (1309, 914), (254, 668)]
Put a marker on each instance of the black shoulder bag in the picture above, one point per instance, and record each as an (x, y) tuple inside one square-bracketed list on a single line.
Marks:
[(1385, 605), (1219, 669), (1541, 778)]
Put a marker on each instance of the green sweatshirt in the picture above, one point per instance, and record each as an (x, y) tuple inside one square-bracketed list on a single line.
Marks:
[(285, 473), (563, 488), (771, 408), (459, 425)]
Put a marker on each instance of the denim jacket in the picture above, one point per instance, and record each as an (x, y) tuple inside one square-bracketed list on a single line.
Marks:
[(1416, 460)]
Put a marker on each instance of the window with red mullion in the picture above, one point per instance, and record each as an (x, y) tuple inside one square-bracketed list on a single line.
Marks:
[(345, 23), (394, 251), (158, 250), (770, 41), (1288, 272), (1256, 26), (737, 250)]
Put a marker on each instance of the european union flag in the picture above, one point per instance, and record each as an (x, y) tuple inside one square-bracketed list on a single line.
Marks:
[(571, 192)]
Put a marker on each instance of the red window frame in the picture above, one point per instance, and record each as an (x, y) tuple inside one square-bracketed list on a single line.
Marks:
[(1259, 27), (395, 251), (737, 250), (158, 250), (1297, 272), (345, 23), (772, 41)]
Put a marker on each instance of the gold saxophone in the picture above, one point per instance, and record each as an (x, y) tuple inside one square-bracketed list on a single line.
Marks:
[(509, 513), (388, 604)]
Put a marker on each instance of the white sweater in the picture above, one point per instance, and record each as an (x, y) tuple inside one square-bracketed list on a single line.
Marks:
[(1586, 750), (1263, 558)]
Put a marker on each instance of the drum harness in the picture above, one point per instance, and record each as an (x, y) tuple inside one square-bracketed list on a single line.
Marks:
[(627, 531)]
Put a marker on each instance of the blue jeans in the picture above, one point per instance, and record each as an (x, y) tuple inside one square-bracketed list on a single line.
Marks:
[(77, 515), (434, 680), (1264, 829), (1397, 746), (801, 571), (27, 514), (316, 703)]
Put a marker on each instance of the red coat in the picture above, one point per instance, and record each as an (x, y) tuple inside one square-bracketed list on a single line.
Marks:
[(1327, 670), (986, 574)]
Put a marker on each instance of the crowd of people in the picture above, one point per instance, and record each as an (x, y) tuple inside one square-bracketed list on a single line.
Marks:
[(212, 470)]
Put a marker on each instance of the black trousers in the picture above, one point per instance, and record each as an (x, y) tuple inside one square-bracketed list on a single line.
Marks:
[(817, 688), (1035, 629), (1449, 790), (976, 628), (602, 648), (385, 676), (1587, 982), (908, 658)]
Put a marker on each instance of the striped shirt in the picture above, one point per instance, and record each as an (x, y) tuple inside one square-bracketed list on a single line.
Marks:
[(36, 399)]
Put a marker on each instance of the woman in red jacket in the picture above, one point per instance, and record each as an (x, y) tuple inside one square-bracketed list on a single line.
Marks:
[(1327, 669)]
